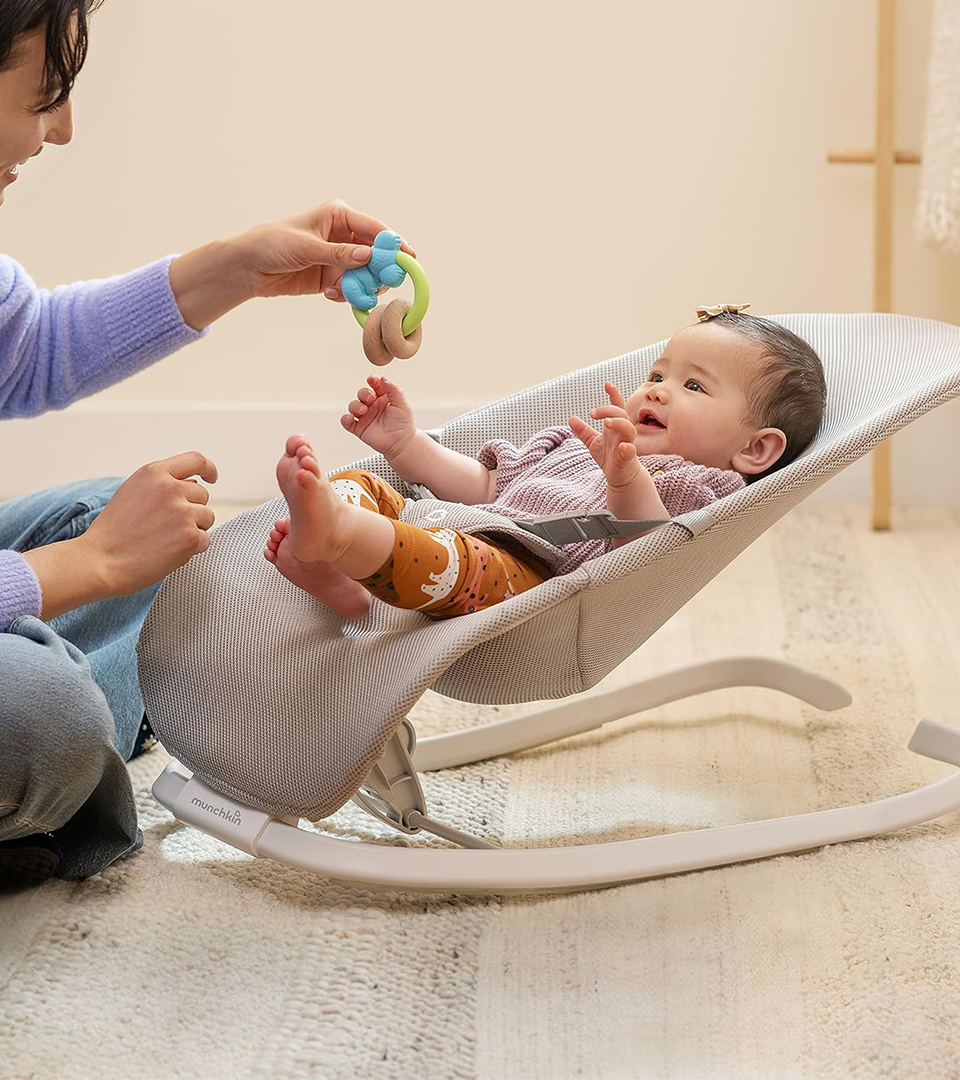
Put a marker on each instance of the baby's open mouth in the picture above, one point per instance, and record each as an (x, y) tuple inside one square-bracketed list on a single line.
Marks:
[(647, 419)]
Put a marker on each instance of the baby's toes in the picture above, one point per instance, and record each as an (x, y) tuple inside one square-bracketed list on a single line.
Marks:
[(309, 477), (308, 461)]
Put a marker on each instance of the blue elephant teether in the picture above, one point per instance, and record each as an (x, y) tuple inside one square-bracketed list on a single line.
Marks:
[(360, 286)]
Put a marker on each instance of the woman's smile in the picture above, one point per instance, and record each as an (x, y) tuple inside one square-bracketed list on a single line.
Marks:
[(9, 175)]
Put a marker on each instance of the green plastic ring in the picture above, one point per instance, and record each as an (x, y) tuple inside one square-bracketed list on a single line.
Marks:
[(421, 296)]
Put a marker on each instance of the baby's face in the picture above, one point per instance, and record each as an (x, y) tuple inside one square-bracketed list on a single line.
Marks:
[(694, 400)]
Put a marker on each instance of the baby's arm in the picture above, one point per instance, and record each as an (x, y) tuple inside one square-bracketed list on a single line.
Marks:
[(447, 473), (381, 417), (631, 492), (635, 500)]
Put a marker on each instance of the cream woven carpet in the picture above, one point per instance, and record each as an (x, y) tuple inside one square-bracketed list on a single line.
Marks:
[(192, 960)]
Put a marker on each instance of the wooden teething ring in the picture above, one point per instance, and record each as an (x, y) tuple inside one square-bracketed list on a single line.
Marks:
[(373, 346), (383, 334), (391, 331)]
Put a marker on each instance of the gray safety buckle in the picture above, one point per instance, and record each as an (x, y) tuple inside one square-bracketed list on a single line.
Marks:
[(560, 529)]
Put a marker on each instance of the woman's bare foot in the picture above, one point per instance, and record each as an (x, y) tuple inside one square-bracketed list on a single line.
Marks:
[(297, 545)]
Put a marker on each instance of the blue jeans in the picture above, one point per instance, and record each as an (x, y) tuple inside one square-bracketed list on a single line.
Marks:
[(70, 704)]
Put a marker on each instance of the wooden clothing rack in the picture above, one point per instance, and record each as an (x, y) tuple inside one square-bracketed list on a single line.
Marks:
[(883, 157)]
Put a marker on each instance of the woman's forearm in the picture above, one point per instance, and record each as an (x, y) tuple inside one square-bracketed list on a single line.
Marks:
[(69, 575), (209, 281), (447, 473)]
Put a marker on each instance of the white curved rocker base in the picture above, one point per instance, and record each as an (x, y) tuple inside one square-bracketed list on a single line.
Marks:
[(560, 869), (586, 713)]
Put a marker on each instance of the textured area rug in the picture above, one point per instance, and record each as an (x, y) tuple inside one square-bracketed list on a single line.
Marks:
[(190, 959)]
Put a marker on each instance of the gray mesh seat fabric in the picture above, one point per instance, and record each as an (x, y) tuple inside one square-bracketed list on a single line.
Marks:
[(272, 700)]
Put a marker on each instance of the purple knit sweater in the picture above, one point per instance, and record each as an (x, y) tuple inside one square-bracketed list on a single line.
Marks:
[(554, 473), (56, 347)]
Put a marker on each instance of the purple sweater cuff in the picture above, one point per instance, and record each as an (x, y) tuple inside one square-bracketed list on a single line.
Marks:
[(19, 589), (142, 319)]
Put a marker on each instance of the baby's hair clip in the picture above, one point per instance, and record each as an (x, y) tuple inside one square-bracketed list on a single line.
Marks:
[(705, 314)]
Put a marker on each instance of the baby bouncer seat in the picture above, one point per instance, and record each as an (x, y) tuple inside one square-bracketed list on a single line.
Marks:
[(279, 711)]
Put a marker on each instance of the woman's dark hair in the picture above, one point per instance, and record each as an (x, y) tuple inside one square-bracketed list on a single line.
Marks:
[(789, 391), (65, 30)]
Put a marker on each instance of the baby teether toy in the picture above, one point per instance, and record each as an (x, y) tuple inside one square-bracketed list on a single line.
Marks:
[(393, 331)]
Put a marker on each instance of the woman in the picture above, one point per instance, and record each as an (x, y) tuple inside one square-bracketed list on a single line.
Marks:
[(80, 564)]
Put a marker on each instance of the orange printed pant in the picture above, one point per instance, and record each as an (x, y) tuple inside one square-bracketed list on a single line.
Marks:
[(439, 571)]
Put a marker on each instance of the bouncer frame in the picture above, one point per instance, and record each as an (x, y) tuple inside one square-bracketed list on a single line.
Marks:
[(392, 793)]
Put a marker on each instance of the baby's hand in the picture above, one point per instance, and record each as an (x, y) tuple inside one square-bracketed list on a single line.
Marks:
[(614, 449), (380, 416)]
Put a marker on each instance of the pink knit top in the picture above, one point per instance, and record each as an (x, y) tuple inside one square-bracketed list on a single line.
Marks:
[(554, 473)]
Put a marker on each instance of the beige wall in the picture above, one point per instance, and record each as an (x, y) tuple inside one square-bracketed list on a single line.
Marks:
[(575, 178)]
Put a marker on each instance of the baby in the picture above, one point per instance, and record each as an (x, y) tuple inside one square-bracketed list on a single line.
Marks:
[(732, 398)]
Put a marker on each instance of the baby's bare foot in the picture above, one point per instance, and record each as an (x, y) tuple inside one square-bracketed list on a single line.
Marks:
[(348, 598), (316, 530), (303, 545)]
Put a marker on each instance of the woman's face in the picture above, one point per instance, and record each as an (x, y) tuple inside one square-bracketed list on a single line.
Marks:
[(24, 126)]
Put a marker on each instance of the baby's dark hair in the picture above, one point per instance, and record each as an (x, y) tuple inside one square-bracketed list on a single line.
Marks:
[(789, 391)]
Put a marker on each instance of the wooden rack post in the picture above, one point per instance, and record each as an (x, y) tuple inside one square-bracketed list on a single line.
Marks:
[(883, 157)]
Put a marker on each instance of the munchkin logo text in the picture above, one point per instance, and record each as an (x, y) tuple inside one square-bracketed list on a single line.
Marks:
[(233, 816)]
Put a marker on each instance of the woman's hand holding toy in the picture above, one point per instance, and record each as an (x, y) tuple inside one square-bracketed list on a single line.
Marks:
[(308, 253), (300, 255)]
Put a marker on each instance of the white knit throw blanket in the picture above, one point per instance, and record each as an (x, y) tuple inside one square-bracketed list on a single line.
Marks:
[(938, 208)]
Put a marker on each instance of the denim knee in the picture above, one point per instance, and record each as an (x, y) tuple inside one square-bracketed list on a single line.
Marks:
[(56, 730)]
